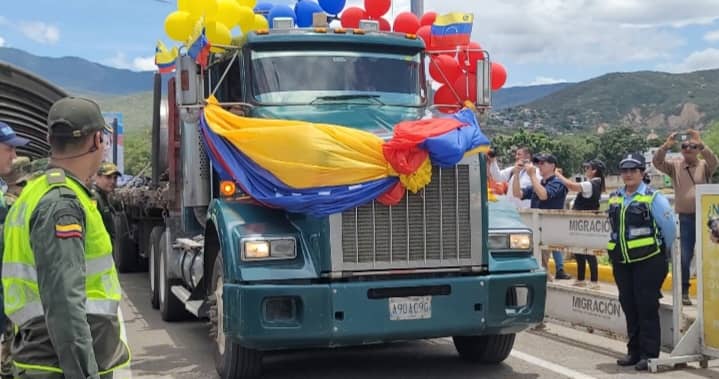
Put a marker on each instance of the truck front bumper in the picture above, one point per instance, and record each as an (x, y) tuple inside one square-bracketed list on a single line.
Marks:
[(271, 317)]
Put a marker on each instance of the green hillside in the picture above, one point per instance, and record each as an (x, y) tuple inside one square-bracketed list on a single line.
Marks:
[(641, 100), (136, 110)]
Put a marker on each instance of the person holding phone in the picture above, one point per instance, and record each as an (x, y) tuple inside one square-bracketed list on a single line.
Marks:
[(588, 196), (522, 156), (685, 174)]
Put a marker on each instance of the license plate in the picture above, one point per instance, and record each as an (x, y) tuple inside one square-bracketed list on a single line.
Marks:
[(410, 308)]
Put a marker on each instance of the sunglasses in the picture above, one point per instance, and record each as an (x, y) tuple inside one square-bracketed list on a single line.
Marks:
[(687, 146)]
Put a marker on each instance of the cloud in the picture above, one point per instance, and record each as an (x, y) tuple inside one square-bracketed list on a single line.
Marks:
[(39, 31), (587, 32), (698, 60), (539, 80), (120, 60), (2, 42), (712, 36)]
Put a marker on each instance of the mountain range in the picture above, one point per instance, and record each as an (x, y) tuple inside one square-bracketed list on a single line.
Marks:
[(642, 100)]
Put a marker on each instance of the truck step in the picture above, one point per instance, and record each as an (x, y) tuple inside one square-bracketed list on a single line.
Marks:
[(192, 306)]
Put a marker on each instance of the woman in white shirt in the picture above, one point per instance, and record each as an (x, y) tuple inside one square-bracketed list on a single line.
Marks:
[(589, 193)]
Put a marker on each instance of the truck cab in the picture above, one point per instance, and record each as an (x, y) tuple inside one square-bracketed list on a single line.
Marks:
[(444, 262)]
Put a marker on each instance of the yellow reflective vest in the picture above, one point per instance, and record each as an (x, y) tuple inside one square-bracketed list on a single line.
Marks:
[(635, 235), (19, 274)]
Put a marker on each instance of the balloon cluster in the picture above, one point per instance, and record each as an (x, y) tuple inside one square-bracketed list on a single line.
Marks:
[(218, 17), (373, 10)]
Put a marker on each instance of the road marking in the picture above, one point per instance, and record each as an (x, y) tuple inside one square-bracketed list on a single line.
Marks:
[(566, 371)]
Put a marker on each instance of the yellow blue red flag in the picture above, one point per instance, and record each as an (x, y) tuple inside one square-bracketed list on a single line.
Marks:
[(452, 29), (165, 58)]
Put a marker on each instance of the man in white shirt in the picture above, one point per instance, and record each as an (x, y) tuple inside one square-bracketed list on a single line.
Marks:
[(506, 175)]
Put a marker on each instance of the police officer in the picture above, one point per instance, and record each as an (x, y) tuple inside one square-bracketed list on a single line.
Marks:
[(643, 231), (60, 284), (105, 182)]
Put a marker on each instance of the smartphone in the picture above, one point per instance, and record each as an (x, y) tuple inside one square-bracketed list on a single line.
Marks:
[(681, 137)]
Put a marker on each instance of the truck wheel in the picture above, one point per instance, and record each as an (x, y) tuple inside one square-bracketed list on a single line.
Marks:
[(154, 267), (124, 249), (490, 349), (171, 308), (231, 360)]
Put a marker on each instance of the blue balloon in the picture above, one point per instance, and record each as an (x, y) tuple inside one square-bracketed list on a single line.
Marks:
[(333, 7), (304, 10), (281, 11), (263, 8)]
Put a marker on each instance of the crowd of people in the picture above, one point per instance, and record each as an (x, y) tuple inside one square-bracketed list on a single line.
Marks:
[(643, 225)]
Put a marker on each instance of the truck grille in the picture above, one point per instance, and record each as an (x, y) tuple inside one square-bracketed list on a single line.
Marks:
[(430, 228)]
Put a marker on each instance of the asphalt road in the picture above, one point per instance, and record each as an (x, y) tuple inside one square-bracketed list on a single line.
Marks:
[(183, 350)]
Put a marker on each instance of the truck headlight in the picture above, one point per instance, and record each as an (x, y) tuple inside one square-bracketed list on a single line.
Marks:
[(510, 241), (520, 241), (268, 248)]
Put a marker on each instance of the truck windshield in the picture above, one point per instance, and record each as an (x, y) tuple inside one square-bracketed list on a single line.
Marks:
[(320, 77)]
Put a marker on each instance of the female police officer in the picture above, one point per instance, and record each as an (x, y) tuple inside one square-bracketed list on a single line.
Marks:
[(643, 230)]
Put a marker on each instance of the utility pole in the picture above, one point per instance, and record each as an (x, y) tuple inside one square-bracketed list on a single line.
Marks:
[(417, 7)]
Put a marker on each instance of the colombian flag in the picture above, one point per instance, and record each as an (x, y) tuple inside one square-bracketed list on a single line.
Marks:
[(164, 58), (452, 29)]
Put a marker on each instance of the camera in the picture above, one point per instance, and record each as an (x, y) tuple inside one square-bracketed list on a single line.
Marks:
[(681, 137)]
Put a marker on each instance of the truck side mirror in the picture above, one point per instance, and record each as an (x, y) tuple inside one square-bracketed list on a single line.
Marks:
[(484, 82)]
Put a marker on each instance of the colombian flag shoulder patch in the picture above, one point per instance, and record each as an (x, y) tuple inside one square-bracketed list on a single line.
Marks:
[(68, 231)]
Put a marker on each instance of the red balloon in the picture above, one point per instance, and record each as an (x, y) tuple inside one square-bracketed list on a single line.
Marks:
[(406, 22), (424, 33), (469, 55), (499, 76), (428, 18), (384, 25), (466, 87), (444, 96), (444, 65), (377, 8), (351, 17)]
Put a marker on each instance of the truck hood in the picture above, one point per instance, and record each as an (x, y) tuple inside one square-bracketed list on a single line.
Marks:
[(379, 120)]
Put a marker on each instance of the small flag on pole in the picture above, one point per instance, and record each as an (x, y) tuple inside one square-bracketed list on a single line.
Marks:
[(200, 49), (452, 29), (164, 58)]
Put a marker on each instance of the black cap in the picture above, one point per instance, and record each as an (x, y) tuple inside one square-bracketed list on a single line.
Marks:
[(549, 158), (633, 160), (75, 117)]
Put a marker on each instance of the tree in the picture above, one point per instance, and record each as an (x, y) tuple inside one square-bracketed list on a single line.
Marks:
[(616, 143), (570, 156), (137, 152)]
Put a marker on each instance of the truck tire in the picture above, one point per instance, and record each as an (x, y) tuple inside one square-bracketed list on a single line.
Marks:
[(231, 359), (124, 249), (171, 308), (154, 267), (491, 349)]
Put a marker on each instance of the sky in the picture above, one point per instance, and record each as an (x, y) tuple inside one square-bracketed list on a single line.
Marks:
[(538, 41)]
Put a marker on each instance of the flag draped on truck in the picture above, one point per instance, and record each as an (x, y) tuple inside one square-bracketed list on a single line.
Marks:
[(322, 169)]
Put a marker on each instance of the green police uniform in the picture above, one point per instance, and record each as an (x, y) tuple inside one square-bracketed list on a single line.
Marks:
[(61, 288), (103, 203)]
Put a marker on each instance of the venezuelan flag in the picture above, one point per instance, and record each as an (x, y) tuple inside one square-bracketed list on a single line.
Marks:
[(200, 49), (164, 58), (452, 29)]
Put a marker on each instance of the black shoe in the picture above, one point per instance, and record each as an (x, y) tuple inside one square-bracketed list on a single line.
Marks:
[(628, 360), (686, 300), (562, 275), (642, 365)]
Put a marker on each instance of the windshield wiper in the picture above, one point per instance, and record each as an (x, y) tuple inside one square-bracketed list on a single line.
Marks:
[(374, 98)]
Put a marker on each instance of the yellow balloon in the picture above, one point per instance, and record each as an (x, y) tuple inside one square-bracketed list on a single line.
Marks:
[(178, 25), (247, 3), (260, 23), (218, 34), (210, 8), (193, 7), (228, 12), (245, 19)]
